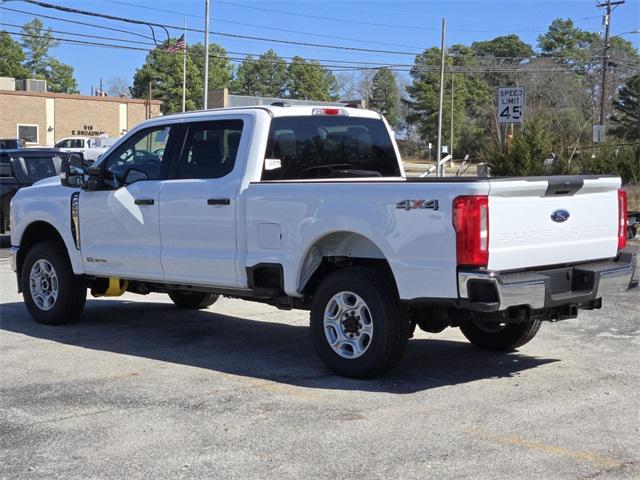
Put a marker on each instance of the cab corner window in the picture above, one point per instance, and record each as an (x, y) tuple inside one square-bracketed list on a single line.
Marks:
[(210, 149), (142, 154)]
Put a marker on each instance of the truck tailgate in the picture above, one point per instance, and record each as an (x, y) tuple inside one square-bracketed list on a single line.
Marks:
[(526, 226)]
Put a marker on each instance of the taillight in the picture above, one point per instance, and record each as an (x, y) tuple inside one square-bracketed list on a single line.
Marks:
[(622, 219), (471, 223)]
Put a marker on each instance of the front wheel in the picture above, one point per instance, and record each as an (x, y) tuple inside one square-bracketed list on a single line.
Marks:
[(193, 300), (498, 336), (52, 293), (358, 326)]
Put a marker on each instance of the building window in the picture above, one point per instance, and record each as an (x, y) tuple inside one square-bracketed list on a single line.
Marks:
[(28, 133)]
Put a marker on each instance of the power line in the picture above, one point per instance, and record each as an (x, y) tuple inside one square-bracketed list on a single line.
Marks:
[(359, 65), (333, 19), (263, 39), (95, 44), (346, 64), (339, 68), (360, 22), (255, 56), (75, 22), (98, 37), (223, 34), (271, 28)]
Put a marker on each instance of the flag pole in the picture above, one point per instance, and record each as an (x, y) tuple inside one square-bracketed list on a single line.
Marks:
[(205, 93), (184, 68)]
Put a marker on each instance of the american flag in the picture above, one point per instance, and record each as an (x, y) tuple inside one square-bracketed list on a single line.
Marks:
[(176, 47)]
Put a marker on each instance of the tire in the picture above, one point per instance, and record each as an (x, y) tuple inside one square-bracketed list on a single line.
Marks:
[(52, 293), (369, 340), (489, 336), (193, 300)]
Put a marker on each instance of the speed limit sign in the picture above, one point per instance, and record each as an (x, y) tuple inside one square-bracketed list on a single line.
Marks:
[(511, 102)]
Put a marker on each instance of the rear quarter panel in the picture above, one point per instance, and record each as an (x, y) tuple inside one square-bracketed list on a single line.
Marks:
[(419, 244)]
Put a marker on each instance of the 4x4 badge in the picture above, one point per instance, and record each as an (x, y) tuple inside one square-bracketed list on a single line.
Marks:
[(418, 204)]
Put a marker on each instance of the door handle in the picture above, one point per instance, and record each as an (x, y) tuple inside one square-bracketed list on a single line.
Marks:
[(218, 201), (144, 201)]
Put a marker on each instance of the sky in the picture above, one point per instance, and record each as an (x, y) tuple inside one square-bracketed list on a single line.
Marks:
[(400, 26)]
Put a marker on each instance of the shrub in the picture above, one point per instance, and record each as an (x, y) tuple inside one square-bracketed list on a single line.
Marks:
[(530, 153)]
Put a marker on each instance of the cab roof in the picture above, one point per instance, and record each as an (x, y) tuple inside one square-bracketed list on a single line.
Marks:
[(276, 111)]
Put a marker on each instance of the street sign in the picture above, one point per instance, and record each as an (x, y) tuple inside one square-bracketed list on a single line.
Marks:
[(598, 133), (511, 102)]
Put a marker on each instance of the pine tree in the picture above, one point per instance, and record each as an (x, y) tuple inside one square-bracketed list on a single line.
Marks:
[(626, 120), (308, 80), (385, 95), (265, 76), (164, 70)]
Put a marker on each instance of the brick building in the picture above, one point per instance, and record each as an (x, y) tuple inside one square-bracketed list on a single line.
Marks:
[(43, 118)]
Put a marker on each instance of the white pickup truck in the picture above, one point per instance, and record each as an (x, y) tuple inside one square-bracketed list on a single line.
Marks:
[(90, 147), (309, 208)]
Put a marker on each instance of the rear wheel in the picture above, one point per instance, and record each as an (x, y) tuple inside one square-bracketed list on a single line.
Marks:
[(193, 300), (499, 336), (52, 293), (358, 326)]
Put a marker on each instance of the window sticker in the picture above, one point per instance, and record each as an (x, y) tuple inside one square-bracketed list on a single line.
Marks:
[(272, 163)]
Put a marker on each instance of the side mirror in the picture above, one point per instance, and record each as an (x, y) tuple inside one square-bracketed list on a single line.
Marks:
[(72, 171), (135, 175)]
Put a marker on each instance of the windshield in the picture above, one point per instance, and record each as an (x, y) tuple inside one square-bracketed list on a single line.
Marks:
[(325, 146)]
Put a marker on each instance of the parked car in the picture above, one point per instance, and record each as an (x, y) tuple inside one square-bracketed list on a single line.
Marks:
[(89, 147), (10, 144), (22, 168), (309, 208)]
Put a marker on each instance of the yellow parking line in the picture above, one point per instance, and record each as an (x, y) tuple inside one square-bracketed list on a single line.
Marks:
[(578, 455)]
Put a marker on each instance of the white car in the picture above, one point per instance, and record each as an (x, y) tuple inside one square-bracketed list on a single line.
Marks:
[(308, 207), (91, 148)]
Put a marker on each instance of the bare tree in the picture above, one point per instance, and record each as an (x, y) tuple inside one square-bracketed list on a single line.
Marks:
[(118, 86), (365, 85), (347, 85)]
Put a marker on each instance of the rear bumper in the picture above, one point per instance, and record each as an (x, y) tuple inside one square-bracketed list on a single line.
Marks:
[(580, 285)]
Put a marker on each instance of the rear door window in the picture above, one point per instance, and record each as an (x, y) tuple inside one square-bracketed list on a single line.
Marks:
[(210, 149), (323, 146)]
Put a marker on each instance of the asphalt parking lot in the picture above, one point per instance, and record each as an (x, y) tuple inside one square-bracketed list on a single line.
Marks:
[(139, 389)]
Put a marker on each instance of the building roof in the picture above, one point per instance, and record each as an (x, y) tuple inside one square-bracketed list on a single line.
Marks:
[(24, 93)]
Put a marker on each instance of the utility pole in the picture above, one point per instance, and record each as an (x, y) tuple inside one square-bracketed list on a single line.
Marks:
[(206, 55), (149, 100), (605, 55), (451, 136), (439, 167), (184, 67)]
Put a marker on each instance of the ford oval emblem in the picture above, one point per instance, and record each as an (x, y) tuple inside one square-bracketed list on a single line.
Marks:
[(560, 216)]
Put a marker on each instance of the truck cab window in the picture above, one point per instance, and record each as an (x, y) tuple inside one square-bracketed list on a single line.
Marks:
[(143, 152), (329, 147), (210, 149)]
